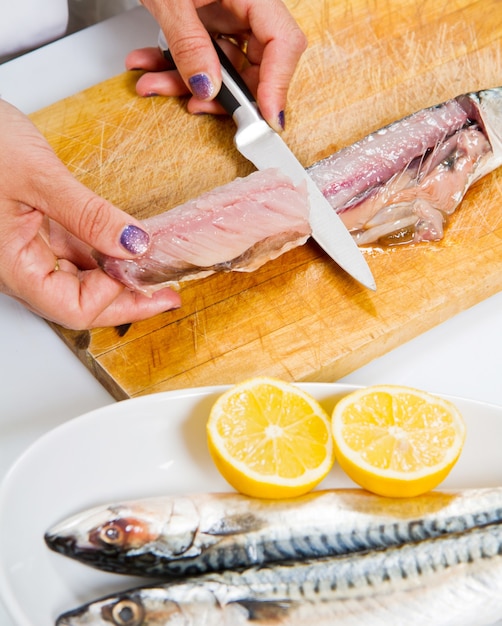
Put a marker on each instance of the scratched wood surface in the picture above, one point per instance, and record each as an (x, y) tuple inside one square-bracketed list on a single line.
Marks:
[(299, 317)]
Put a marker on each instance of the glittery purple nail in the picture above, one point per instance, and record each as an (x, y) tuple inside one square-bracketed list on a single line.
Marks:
[(201, 86), (281, 118), (134, 240)]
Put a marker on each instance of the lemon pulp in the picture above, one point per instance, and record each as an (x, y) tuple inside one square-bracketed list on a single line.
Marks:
[(397, 441), (270, 439)]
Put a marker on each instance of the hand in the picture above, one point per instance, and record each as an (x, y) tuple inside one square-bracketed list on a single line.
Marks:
[(49, 224), (272, 40)]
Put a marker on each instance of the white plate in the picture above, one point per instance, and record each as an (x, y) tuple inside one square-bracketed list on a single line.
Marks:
[(146, 446)]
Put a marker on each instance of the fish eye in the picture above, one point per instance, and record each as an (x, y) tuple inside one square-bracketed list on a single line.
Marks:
[(112, 534), (128, 613), (119, 533)]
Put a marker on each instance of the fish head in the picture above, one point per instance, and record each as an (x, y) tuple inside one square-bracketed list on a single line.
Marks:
[(102, 533), (485, 107), (154, 605), (116, 611)]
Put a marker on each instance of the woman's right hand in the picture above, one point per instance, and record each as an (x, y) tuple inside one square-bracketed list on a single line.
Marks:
[(270, 44)]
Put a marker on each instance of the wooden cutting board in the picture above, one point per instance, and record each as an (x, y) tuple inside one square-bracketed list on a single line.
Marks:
[(299, 317)]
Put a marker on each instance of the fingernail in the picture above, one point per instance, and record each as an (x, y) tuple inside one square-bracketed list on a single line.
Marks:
[(278, 124), (281, 119), (134, 239), (201, 86)]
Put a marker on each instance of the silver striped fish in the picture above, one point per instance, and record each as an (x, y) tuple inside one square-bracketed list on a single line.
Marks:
[(174, 535), (451, 580)]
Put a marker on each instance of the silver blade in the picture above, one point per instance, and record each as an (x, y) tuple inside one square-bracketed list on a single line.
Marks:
[(265, 149)]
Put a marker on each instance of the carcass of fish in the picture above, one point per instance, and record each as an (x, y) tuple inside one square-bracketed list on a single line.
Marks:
[(451, 580), (235, 227), (397, 185), (179, 535), (400, 184)]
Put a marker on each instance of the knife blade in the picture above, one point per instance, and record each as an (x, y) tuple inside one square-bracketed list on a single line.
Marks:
[(265, 148)]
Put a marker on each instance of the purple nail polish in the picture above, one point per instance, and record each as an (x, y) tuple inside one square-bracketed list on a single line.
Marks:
[(281, 118), (134, 240), (201, 86)]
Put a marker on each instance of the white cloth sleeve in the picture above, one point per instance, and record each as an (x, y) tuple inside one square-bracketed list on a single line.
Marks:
[(27, 24)]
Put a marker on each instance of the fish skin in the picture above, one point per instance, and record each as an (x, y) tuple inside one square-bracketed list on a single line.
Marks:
[(183, 535), (450, 580), (349, 173)]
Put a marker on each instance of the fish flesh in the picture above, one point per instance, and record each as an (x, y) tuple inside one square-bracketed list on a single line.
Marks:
[(451, 580), (397, 185), (187, 535), (400, 184), (235, 227)]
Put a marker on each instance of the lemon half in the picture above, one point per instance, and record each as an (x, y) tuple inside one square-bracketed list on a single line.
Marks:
[(396, 441), (270, 439)]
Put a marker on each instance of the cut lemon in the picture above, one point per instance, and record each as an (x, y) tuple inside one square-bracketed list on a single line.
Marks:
[(396, 441), (270, 439)]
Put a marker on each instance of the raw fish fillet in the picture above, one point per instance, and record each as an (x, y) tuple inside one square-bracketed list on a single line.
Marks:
[(235, 227)]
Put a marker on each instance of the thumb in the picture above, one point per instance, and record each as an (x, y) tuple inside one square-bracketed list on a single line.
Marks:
[(34, 177), (190, 45), (90, 218)]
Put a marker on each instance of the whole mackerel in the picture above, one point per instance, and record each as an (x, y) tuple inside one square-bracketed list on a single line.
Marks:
[(451, 580), (175, 535)]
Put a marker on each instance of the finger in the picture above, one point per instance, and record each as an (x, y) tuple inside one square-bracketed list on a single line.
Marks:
[(170, 83), (161, 78), (133, 307), (240, 62), (161, 84), (276, 46), (40, 182), (90, 299), (211, 107), (56, 289), (149, 59), (86, 215), (190, 46), (64, 245), (217, 19)]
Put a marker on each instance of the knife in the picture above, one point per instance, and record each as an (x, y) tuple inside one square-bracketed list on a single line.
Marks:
[(265, 148)]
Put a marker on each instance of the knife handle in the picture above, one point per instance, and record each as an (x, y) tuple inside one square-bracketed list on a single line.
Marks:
[(234, 95)]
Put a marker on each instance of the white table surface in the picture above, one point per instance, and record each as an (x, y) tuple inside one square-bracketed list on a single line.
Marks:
[(43, 384)]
